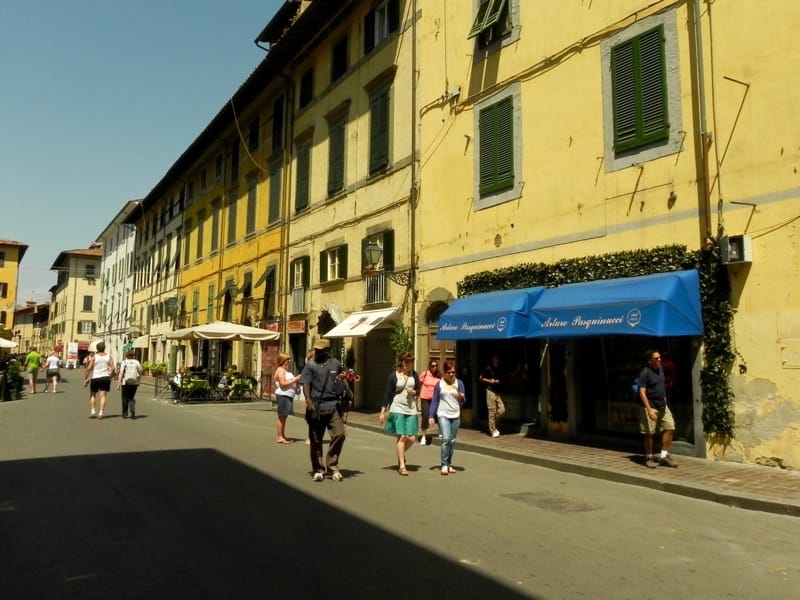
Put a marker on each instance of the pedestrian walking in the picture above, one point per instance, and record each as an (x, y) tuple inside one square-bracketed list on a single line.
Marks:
[(655, 416), (97, 376), (399, 400), (428, 381), (286, 384), (130, 373), (33, 362), (448, 398), (318, 380), (52, 366), (494, 401)]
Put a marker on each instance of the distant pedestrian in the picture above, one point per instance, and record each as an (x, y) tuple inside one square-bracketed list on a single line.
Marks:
[(130, 373), (52, 366), (399, 401), (656, 416), (428, 381), (491, 378), (318, 380), (286, 384), (33, 362), (448, 398), (97, 376)]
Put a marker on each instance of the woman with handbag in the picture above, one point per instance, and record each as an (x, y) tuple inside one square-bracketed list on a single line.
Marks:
[(400, 402), (286, 384)]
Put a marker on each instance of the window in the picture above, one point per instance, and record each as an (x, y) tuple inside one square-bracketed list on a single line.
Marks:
[(89, 272), (336, 156), (200, 226), (195, 305), (642, 112), (496, 139), (219, 166), (250, 220), (303, 175), (339, 59), (277, 123), (379, 131), (274, 191), (3, 318), (333, 264), (639, 91), (203, 182), (380, 22), (269, 294), (300, 273), (234, 160), (232, 218), (87, 303), (187, 230), (215, 208), (2, 259), (492, 21), (181, 200), (190, 193), (252, 135), (385, 240), (86, 327), (3, 289), (306, 87)]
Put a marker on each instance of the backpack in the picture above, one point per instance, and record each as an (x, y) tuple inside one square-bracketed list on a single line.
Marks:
[(131, 373), (344, 395)]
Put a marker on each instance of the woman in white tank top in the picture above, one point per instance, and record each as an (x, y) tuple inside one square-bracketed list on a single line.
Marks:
[(98, 376)]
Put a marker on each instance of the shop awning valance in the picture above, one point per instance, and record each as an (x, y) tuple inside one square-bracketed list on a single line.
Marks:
[(360, 323), (664, 304), (491, 316)]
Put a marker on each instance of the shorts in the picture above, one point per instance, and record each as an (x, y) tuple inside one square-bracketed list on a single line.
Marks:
[(285, 405), (52, 372), (400, 424), (663, 422), (100, 384)]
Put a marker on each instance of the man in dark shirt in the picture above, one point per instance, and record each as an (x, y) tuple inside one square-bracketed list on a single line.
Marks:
[(494, 401), (656, 415), (318, 379)]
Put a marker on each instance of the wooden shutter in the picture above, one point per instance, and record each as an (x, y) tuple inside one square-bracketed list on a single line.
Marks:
[(394, 15), (343, 262), (379, 131), (306, 262), (303, 167), (388, 250), (623, 84), (488, 140), (477, 24), (369, 32), (364, 242), (655, 123), (505, 143), (496, 147), (336, 157), (323, 266)]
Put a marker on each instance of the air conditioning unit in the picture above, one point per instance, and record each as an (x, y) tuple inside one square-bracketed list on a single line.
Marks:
[(736, 249)]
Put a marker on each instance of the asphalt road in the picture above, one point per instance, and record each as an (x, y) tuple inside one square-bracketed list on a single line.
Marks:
[(199, 501)]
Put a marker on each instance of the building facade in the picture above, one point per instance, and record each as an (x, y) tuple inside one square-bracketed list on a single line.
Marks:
[(11, 254), (30, 326)]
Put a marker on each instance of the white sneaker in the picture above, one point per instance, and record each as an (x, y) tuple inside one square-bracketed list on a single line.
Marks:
[(495, 433), (337, 476), (318, 476), (423, 441), (445, 470)]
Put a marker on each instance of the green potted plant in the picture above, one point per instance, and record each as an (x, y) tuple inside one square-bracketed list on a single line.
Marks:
[(13, 381), (158, 369)]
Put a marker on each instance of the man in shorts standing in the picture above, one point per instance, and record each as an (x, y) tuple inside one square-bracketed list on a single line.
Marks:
[(656, 416), (494, 401)]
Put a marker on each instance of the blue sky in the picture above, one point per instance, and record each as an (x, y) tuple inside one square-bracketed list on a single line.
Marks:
[(97, 99)]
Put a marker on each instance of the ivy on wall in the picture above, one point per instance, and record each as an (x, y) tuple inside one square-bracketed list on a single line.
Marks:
[(718, 352)]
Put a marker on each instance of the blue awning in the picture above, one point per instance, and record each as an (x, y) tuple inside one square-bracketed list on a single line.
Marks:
[(664, 304), (491, 316)]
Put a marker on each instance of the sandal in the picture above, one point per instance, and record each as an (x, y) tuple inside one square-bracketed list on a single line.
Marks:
[(284, 441), (403, 471), (451, 470)]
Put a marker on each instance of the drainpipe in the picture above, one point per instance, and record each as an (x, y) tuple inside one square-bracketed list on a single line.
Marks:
[(414, 192), (705, 139)]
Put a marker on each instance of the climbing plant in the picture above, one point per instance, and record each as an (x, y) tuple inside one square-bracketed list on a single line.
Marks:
[(718, 351), (400, 338)]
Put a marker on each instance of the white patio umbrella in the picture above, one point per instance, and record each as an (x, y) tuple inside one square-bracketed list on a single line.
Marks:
[(223, 330), (4, 343)]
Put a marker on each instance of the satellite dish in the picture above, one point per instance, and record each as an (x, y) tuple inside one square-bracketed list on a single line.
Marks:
[(335, 312)]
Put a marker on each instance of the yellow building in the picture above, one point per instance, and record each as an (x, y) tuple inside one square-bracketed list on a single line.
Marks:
[(575, 130), (30, 327), (11, 254)]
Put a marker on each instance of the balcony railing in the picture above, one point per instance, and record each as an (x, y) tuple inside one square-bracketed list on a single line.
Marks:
[(375, 287), (298, 301)]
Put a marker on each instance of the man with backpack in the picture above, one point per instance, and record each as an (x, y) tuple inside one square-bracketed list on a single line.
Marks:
[(656, 416), (130, 373)]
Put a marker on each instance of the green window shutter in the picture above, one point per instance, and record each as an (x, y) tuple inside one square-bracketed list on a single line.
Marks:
[(477, 25), (379, 131), (369, 32), (364, 242), (388, 250), (393, 8), (274, 192), (303, 167), (489, 13), (323, 266), (496, 148), (343, 262), (336, 157), (639, 89), (306, 262)]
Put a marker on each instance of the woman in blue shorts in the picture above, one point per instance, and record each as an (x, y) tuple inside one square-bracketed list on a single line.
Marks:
[(285, 391), (399, 400)]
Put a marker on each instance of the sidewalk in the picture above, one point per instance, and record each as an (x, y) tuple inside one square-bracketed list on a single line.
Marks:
[(751, 487)]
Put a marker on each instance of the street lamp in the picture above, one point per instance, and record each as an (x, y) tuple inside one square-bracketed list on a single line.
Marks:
[(372, 256)]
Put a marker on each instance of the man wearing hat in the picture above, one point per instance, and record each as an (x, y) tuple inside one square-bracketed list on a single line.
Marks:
[(318, 381)]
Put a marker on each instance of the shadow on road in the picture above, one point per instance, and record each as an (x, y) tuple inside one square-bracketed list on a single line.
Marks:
[(195, 523)]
